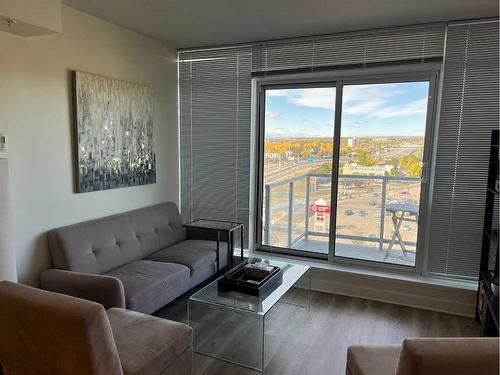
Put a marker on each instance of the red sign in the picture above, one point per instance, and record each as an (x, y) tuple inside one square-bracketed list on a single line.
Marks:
[(320, 208)]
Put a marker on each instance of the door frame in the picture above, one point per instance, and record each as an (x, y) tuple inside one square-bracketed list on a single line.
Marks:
[(429, 72)]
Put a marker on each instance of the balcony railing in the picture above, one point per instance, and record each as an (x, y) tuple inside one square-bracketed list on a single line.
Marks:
[(288, 217)]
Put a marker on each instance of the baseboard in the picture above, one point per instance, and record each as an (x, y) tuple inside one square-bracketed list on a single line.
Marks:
[(429, 293), (427, 296)]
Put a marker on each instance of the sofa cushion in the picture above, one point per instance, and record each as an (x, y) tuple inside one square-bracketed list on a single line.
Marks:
[(372, 359), (147, 344), (158, 227), (101, 245), (195, 254), (150, 285), (95, 246)]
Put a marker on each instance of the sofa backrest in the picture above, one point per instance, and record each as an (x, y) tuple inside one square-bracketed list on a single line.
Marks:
[(50, 333), (449, 356), (98, 246)]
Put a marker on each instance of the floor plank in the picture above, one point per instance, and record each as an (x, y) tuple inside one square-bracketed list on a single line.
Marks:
[(314, 341)]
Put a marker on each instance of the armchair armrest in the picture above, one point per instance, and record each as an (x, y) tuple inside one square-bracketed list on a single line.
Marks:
[(457, 356), (103, 289)]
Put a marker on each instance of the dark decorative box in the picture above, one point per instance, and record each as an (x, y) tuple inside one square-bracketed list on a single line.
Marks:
[(238, 280)]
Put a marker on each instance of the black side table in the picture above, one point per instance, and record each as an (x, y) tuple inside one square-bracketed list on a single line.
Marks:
[(221, 226)]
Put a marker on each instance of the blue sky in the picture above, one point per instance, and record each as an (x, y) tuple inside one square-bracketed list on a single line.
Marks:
[(390, 109)]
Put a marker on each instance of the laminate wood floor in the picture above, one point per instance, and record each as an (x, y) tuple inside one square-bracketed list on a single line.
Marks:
[(314, 341)]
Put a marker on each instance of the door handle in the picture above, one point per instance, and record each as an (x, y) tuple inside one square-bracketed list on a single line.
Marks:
[(423, 173)]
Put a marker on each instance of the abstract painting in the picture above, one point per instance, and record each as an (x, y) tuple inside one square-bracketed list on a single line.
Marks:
[(114, 145)]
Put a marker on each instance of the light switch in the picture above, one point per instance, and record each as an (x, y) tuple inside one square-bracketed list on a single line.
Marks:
[(3, 145)]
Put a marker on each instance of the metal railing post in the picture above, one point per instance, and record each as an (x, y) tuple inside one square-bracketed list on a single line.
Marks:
[(306, 227), (382, 213), (267, 215), (290, 212)]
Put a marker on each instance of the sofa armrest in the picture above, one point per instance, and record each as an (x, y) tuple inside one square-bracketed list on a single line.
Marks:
[(103, 289), (457, 356)]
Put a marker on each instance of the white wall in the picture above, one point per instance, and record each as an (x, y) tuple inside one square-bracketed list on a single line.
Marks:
[(7, 256), (35, 99)]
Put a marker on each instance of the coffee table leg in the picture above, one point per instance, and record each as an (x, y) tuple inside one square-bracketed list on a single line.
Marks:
[(241, 342), (218, 245), (230, 249), (241, 239)]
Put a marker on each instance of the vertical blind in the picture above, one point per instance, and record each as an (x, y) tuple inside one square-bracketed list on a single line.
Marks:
[(469, 111), (214, 114)]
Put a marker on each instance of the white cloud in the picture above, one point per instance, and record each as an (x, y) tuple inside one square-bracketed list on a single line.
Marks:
[(278, 92), (413, 108), (316, 98), (365, 99), (365, 107), (273, 116), (370, 100)]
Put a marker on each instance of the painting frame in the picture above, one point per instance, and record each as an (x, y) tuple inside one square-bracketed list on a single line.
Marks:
[(113, 133)]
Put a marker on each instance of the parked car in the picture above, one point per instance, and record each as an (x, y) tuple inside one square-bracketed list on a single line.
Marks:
[(377, 214)]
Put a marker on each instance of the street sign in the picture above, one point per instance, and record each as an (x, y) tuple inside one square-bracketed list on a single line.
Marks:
[(320, 208)]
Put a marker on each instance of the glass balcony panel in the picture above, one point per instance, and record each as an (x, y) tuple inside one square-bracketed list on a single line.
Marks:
[(401, 192), (278, 216), (359, 203), (299, 209), (358, 249)]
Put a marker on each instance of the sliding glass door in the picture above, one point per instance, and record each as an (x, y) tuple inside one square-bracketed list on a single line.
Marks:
[(297, 155), (350, 189), (380, 167)]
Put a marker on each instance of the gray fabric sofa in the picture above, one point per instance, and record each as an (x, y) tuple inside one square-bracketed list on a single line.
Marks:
[(139, 260)]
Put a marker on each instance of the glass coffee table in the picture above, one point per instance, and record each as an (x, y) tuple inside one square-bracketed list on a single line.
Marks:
[(230, 325)]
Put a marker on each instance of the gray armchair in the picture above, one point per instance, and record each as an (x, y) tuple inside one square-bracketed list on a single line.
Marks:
[(426, 356), (50, 333)]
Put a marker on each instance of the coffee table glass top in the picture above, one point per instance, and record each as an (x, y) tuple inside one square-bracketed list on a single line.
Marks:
[(213, 224), (253, 304)]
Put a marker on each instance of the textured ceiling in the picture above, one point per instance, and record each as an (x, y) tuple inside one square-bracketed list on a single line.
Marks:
[(192, 23)]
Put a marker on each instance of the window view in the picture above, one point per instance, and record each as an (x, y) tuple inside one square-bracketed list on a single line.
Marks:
[(380, 162), (298, 152), (381, 153)]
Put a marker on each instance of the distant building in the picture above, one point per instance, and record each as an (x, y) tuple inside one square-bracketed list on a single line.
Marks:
[(376, 170), (352, 142), (271, 155), (410, 145)]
